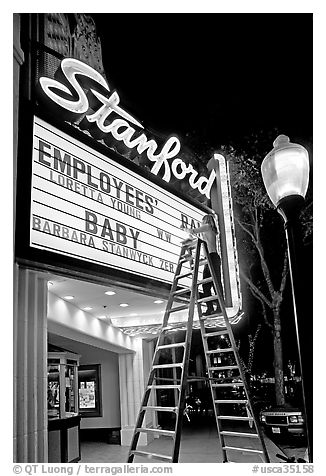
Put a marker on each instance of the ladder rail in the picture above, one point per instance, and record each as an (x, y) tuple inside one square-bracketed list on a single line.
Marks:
[(173, 290), (215, 407), (147, 392), (184, 375), (235, 350)]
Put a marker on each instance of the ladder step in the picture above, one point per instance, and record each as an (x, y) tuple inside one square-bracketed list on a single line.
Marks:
[(181, 291), (171, 346), (247, 450), (207, 299), (157, 431), (185, 299), (233, 417), (226, 367), (167, 366), (184, 275), (151, 455), (203, 318), (231, 401), (179, 308), (204, 281), (160, 387), (234, 384), (217, 351), (214, 334), (238, 433), (161, 409)]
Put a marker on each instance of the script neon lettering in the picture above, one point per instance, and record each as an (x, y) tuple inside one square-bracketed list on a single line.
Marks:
[(109, 105), (70, 69), (80, 77), (184, 169)]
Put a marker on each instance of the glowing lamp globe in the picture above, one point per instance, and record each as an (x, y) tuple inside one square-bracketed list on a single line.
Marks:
[(285, 170)]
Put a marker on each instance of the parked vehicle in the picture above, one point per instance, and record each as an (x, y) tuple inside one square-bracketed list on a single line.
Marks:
[(283, 420)]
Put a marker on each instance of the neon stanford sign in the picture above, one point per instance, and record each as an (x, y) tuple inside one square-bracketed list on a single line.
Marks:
[(92, 112)]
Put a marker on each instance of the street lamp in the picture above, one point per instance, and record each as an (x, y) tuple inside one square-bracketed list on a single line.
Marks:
[(285, 172)]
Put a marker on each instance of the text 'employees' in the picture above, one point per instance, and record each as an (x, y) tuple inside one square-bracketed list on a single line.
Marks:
[(117, 232), (79, 170)]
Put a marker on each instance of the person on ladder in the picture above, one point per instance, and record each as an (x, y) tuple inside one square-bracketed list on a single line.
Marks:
[(209, 233)]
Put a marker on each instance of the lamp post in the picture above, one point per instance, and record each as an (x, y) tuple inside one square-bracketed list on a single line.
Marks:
[(285, 172)]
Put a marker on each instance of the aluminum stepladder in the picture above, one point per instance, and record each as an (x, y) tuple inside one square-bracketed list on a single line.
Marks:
[(228, 384), (222, 378)]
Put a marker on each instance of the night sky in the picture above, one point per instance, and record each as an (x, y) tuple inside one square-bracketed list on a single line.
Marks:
[(215, 78)]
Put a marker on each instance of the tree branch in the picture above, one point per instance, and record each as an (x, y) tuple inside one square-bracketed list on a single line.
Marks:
[(262, 302), (271, 327), (265, 269), (263, 263), (257, 332), (244, 227), (252, 342), (255, 289), (284, 273)]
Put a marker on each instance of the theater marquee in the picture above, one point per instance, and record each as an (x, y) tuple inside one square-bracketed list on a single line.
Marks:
[(89, 207)]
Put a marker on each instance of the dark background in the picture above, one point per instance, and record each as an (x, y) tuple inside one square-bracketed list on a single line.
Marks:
[(215, 76)]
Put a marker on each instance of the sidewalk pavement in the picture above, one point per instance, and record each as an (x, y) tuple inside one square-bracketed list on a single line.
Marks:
[(199, 446), (272, 449)]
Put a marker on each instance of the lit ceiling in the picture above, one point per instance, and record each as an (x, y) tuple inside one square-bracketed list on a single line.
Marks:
[(142, 315), (103, 306)]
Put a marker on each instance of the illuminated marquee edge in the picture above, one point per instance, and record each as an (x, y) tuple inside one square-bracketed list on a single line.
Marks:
[(150, 329), (233, 312)]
